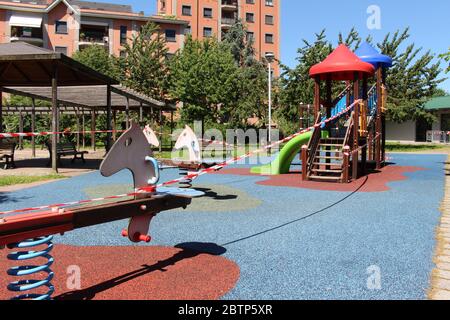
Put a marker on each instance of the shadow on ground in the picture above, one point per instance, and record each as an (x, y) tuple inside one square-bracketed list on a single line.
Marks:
[(91, 164), (209, 193), (188, 251)]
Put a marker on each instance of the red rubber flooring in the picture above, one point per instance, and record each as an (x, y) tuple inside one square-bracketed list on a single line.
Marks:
[(135, 273), (376, 182)]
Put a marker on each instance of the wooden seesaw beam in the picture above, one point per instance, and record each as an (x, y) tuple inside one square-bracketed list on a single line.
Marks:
[(18, 228)]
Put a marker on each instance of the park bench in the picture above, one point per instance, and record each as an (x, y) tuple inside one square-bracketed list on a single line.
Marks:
[(66, 149), (7, 150)]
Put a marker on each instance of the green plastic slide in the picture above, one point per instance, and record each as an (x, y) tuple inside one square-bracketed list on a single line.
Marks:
[(282, 163)]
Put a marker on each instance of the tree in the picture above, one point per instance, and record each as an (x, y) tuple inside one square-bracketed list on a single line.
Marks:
[(251, 95), (446, 57), (144, 66), (440, 93), (97, 58), (412, 80), (203, 76), (241, 47), (296, 87)]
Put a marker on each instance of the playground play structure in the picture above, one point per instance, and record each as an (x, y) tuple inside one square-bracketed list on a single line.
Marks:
[(339, 150), (346, 135)]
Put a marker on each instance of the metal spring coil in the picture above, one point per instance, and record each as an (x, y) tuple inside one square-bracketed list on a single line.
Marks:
[(187, 183), (27, 270)]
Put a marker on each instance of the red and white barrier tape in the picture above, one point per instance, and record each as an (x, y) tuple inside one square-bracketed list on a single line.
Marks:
[(47, 133), (190, 176)]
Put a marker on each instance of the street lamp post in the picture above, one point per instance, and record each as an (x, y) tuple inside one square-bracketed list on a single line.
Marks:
[(270, 57)]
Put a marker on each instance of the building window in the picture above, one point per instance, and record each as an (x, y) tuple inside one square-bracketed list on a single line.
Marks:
[(62, 50), (188, 30), (207, 32), (163, 6), (186, 11), (269, 20), (123, 35), (207, 13), (250, 36), (250, 1), (269, 38), (61, 27), (269, 3), (250, 17), (171, 35)]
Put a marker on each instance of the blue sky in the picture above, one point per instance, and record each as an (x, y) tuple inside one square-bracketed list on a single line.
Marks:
[(428, 20)]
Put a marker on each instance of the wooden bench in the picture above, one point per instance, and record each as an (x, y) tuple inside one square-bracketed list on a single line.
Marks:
[(65, 150), (7, 150)]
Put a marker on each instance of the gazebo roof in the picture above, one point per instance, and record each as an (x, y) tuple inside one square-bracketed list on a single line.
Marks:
[(22, 64), (92, 97), (341, 64), (369, 54)]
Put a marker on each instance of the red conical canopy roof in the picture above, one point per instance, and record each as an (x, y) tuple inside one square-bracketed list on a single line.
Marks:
[(341, 64)]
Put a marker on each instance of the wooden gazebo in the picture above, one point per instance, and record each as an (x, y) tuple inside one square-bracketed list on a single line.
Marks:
[(42, 74)]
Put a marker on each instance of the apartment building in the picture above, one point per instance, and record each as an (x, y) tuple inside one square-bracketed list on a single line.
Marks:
[(209, 18), (70, 25)]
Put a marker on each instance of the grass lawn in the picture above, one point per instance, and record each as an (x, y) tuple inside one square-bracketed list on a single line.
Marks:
[(399, 147), (14, 180)]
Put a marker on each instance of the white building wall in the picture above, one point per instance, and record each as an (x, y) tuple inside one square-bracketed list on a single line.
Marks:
[(401, 132), (437, 123)]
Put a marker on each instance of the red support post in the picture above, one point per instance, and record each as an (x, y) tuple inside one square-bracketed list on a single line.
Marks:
[(346, 165), (378, 124), (305, 163), (316, 97)]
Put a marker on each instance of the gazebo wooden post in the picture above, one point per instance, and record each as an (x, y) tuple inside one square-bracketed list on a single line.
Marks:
[(316, 97), (160, 130), (378, 123), (127, 114), (1, 109), (83, 125), (77, 116), (93, 126), (355, 127), (141, 113), (114, 124), (58, 124), (20, 128), (108, 117), (33, 127), (171, 129), (54, 116)]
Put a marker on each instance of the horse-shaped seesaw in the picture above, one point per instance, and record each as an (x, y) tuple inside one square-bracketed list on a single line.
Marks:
[(132, 151), (188, 140), (151, 136)]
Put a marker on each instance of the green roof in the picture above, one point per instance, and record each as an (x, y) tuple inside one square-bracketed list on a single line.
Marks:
[(438, 103)]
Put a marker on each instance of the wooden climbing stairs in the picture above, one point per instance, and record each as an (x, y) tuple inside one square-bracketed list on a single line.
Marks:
[(327, 163)]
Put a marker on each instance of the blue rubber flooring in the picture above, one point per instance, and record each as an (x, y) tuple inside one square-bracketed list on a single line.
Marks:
[(299, 244)]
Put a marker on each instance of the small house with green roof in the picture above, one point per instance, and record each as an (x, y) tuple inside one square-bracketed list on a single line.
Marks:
[(418, 131)]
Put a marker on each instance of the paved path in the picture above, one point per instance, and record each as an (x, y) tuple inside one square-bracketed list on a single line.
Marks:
[(440, 287)]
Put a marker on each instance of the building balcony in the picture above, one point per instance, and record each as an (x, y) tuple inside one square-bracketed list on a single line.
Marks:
[(29, 35), (94, 35), (230, 5), (227, 22)]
